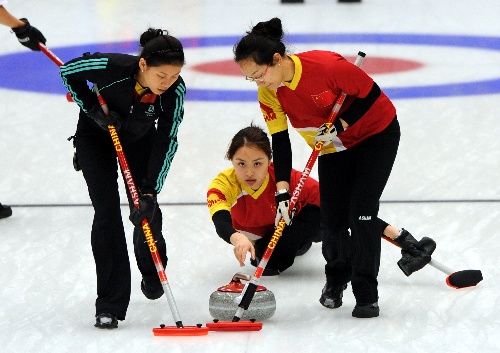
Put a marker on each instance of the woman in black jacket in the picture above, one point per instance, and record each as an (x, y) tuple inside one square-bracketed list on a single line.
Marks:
[(145, 95)]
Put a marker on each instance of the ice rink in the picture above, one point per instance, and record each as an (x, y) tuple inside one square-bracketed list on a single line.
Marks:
[(445, 183)]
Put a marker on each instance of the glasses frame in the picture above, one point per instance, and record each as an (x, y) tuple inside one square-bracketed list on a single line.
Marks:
[(260, 78)]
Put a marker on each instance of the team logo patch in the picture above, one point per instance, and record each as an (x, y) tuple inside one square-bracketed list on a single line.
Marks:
[(150, 111), (214, 197), (269, 114)]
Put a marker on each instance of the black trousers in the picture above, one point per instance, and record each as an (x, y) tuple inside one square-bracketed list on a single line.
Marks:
[(351, 184), (98, 162), (304, 229)]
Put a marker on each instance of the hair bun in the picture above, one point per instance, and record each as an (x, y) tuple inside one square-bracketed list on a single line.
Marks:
[(150, 34), (271, 29)]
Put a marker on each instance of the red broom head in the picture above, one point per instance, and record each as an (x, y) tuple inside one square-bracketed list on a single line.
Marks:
[(464, 279)]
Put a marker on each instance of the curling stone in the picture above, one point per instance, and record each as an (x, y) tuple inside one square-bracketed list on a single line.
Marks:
[(223, 304)]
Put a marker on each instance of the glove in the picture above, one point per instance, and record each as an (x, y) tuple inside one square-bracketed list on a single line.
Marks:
[(410, 262), (103, 120), (282, 205), (408, 243), (325, 134), (29, 36), (147, 208)]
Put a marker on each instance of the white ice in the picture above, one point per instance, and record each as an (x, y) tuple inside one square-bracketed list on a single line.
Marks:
[(445, 184)]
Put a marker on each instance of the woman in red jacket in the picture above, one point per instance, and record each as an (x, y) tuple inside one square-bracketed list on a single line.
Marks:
[(303, 88)]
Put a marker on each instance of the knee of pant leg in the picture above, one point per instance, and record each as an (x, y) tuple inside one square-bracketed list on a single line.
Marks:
[(361, 214), (280, 263), (147, 241)]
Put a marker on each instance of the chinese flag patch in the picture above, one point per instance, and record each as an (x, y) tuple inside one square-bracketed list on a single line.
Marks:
[(323, 99)]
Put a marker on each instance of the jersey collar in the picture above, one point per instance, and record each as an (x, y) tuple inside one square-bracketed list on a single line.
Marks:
[(297, 74), (256, 193)]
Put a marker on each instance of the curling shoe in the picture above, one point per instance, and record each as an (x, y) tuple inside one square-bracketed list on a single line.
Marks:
[(366, 311), (106, 320), (331, 296), (151, 292), (5, 211)]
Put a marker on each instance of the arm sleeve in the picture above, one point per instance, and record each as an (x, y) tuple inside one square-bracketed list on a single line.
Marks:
[(223, 225), (220, 198), (165, 142), (282, 156), (75, 74), (276, 121), (360, 106)]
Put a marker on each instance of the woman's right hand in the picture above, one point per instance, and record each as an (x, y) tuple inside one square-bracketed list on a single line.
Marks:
[(242, 245)]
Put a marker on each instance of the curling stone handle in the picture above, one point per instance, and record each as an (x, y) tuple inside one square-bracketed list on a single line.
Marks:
[(240, 275)]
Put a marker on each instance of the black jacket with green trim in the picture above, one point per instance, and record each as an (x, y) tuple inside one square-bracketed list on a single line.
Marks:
[(114, 76)]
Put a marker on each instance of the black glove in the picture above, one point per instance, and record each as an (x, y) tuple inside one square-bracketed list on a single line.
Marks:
[(147, 208), (410, 262), (282, 206), (407, 243), (103, 120), (29, 36)]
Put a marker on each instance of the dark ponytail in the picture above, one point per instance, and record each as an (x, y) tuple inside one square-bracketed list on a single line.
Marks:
[(160, 48), (261, 43)]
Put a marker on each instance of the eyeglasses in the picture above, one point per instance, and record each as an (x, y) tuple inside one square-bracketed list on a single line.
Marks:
[(260, 78)]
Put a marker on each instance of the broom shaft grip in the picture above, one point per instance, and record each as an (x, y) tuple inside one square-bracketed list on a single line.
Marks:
[(441, 267)]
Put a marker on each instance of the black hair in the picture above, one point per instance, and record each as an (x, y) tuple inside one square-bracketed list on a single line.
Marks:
[(251, 136), (261, 43), (160, 48)]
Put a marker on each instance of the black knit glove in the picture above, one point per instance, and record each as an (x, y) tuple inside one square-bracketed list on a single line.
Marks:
[(103, 120), (407, 243), (147, 208), (415, 255), (29, 36)]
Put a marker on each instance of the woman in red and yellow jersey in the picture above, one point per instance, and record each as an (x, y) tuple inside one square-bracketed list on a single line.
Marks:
[(242, 204), (355, 162)]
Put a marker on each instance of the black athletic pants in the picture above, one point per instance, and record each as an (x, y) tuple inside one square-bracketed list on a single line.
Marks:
[(351, 184), (304, 229), (98, 161)]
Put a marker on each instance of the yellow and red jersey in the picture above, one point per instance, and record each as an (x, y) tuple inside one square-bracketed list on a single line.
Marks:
[(253, 212), (320, 76)]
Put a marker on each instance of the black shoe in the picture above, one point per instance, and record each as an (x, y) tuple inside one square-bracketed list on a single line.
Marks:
[(151, 292), (267, 271), (106, 320), (303, 249), (366, 311), (331, 296), (5, 211)]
